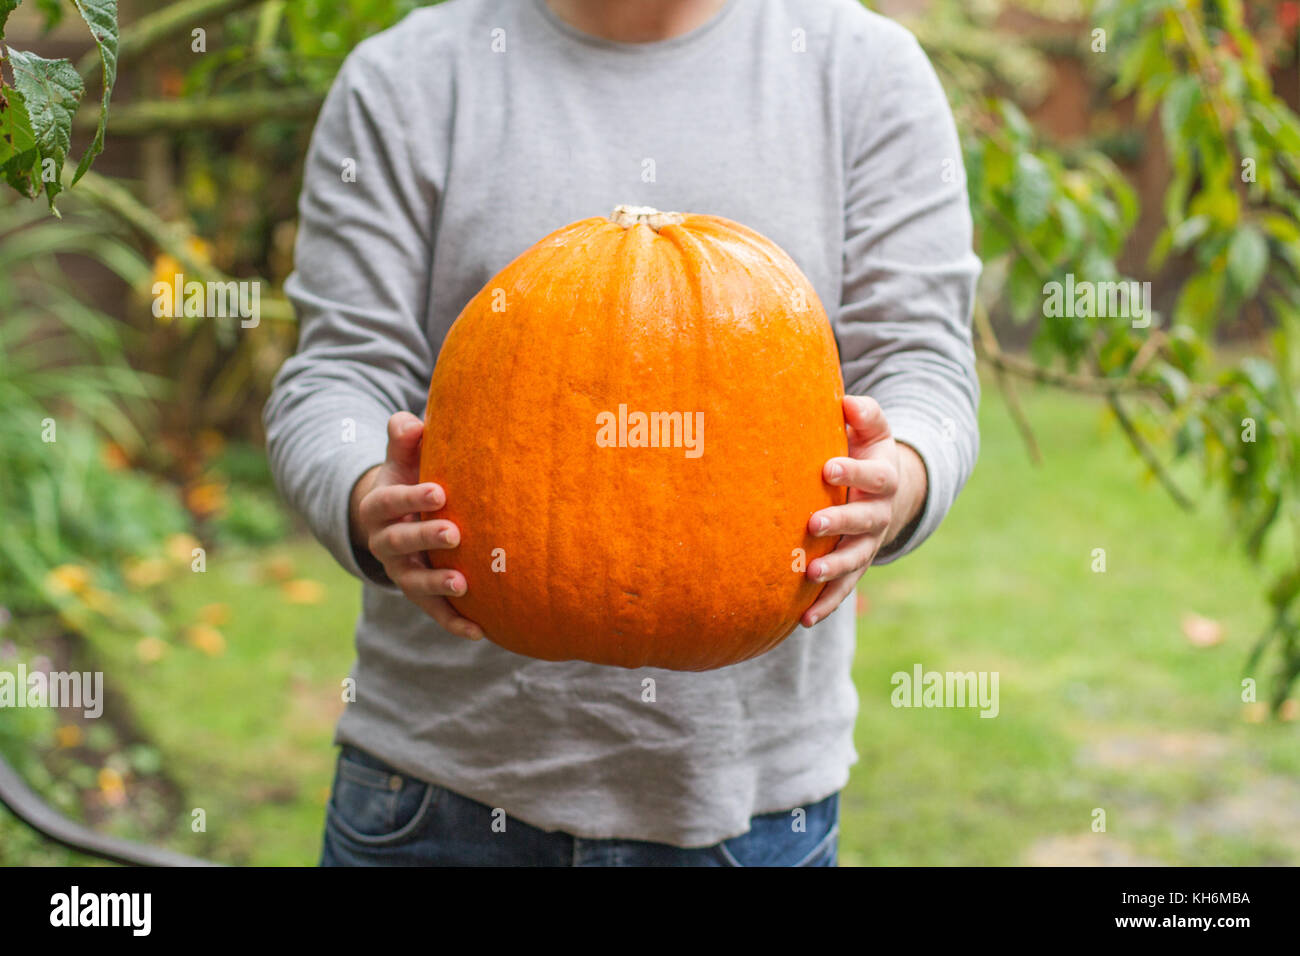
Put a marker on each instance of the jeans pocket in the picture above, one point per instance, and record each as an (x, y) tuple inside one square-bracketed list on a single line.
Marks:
[(802, 837), (375, 805)]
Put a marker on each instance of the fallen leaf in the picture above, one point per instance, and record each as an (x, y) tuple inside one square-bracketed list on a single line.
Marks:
[(214, 614), (207, 639), (150, 649), (206, 498), (278, 568), (145, 572), (112, 787), (1256, 713), (303, 591), (180, 547), (1202, 631)]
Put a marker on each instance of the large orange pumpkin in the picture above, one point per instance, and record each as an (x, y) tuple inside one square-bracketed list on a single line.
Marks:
[(630, 421)]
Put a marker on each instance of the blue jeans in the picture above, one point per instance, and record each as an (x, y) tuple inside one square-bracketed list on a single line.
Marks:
[(380, 817)]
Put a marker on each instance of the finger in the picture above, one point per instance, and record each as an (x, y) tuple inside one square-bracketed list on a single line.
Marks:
[(387, 503), (424, 582), (866, 420), (448, 619), (856, 517), (404, 433), (831, 597), (876, 477), (853, 554), (403, 538)]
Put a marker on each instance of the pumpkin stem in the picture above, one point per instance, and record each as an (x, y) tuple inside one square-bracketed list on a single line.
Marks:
[(629, 216)]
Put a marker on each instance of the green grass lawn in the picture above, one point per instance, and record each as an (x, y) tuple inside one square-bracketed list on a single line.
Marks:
[(1104, 704)]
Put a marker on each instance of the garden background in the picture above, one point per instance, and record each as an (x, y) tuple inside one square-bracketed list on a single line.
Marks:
[(1125, 556)]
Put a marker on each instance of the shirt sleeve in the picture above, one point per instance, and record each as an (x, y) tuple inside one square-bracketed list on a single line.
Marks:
[(362, 260), (910, 274)]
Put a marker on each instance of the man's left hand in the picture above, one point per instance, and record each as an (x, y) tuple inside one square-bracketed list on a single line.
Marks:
[(887, 488)]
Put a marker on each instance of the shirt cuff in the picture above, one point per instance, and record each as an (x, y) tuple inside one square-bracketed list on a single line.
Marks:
[(334, 527), (938, 451)]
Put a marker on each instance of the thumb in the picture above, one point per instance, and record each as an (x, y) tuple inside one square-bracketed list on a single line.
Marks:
[(404, 434)]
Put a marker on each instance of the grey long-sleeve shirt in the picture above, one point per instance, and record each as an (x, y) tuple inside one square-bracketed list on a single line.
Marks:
[(448, 145)]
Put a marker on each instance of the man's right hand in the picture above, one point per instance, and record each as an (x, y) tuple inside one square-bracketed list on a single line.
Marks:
[(384, 517)]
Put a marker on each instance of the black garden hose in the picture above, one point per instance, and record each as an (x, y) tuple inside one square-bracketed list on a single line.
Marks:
[(28, 807)]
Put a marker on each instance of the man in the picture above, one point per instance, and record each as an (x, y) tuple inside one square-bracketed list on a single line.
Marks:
[(448, 145)]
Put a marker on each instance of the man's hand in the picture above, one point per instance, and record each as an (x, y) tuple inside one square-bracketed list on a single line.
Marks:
[(887, 488), (384, 516)]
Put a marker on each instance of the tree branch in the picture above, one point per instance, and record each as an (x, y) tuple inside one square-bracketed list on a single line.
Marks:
[(215, 112), (1141, 446), (989, 341), (1095, 385)]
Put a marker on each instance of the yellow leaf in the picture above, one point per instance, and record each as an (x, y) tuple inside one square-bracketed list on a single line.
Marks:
[(68, 579), (180, 547), (206, 498), (214, 614), (145, 572), (112, 786), (150, 649), (101, 602), (279, 568), (207, 639), (1256, 713), (303, 591), (199, 248), (69, 735), (166, 266)]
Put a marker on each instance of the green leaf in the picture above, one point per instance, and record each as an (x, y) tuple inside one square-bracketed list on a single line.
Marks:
[(993, 242), (1198, 303), (1247, 260), (1281, 228), (101, 17), (6, 7), (1260, 373), (1177, 383), (1073, 227), (1218, 201), (1176, 193), (1031, 190), (1017, 125), (1183, 95), (1190, 230), (1024, 291), (52, 10), (1160, 250), (19, 156), (51, 90)]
